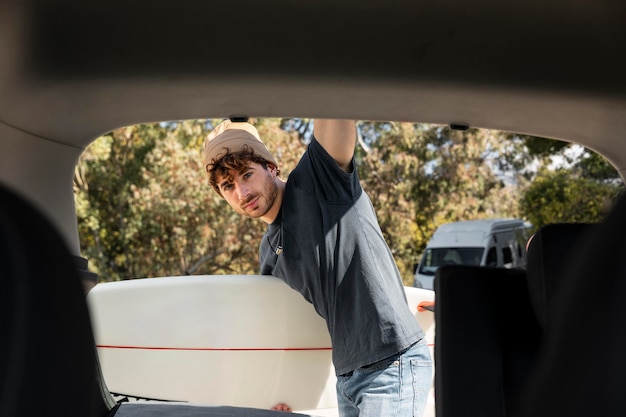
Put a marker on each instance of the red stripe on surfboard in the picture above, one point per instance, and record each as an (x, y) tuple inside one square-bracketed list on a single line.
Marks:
[(208, 349)]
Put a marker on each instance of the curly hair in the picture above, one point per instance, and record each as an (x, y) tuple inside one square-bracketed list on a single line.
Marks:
[(233, 161)]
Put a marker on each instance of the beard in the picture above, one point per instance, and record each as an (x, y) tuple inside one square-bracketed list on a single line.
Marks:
[(265, 199)]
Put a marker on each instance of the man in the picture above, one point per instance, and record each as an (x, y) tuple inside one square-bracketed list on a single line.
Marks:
[(323, 239)]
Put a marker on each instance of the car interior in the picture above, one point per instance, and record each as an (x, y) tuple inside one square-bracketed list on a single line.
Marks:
[(520, 313), (71, 71)]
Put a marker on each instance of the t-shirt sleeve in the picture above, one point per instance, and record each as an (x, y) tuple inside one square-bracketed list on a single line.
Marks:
[(318, 174)]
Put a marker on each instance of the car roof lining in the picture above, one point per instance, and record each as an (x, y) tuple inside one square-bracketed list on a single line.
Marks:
[(527, 68)]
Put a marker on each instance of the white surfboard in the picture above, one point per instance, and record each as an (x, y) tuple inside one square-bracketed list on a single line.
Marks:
[(241, 340)]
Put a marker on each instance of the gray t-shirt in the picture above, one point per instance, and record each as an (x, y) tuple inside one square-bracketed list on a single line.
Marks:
[(334, 254)]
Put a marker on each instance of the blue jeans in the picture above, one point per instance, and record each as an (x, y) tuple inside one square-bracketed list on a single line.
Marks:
[(394, 387)]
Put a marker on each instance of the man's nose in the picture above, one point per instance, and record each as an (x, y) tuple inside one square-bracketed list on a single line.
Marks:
[(242, 191)]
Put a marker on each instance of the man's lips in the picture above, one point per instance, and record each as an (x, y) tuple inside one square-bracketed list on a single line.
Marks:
[(250, 204)]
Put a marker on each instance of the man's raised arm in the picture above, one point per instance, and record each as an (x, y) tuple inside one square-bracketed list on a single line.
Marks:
[(338, 137)]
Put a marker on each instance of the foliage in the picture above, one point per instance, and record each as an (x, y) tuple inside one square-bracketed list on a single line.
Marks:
[(591, 165), (421, 176), (544, 147), (145, 208), (102, 182), (557, 196), (580, 186)]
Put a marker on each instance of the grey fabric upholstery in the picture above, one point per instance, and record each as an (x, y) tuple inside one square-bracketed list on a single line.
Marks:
[(581, 369), (146, 409), (48, 360), (486, 340), (570, 336), (549, 254)]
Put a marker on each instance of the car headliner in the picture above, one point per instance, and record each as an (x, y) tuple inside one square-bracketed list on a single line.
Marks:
[(71, 70)]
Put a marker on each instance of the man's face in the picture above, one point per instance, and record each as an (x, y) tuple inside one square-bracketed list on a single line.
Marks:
[(252, 191)]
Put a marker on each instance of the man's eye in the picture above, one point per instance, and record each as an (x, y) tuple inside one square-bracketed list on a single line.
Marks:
[(247, 175), (227, 187)]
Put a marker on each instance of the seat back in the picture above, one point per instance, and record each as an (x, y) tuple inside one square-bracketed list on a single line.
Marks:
[(486, 339), (548, 257), (48, 363), (581, 369)]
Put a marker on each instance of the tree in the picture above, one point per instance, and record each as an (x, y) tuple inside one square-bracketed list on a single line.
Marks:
[(180, 222), (559, 197), (145, 208), (102, 183), (420, 176), (571, 184)]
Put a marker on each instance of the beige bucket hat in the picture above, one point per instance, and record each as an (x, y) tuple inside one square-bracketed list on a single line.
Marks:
[(232, 137)]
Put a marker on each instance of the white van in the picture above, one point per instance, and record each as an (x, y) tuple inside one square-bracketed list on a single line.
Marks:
[(490, 242)]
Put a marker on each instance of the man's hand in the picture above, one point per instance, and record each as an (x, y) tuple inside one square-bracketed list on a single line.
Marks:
[(282, 407)]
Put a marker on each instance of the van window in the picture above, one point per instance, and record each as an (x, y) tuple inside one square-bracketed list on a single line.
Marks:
[(435, 257), (492, 257), (507, 256)]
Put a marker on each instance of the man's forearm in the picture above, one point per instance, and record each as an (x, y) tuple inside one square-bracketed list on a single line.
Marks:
[(338, 137)]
